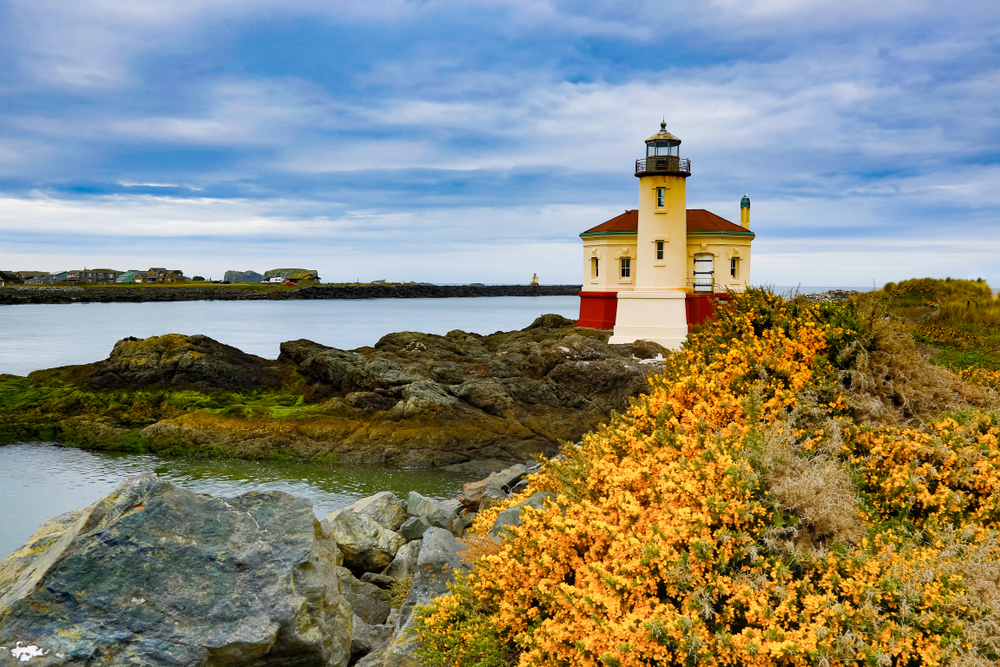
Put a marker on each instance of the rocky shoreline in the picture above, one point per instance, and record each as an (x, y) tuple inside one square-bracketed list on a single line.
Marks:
[(156, 574), (411, 399), (29, 294)]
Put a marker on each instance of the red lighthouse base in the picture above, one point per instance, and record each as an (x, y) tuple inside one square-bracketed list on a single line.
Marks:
[(701, 307), (599, 310)]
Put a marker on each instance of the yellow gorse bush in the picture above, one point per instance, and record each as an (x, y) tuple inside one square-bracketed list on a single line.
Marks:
[(665, 546)]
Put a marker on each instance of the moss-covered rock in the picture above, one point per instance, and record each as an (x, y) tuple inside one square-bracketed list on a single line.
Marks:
[(413, 398)]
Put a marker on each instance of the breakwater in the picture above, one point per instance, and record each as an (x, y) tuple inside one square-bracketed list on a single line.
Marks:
[(28, 294)]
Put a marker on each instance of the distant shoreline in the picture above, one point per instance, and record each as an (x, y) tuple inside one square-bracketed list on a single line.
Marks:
[(31, 294)]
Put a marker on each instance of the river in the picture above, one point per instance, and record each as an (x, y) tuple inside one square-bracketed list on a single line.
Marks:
[(43, 480)]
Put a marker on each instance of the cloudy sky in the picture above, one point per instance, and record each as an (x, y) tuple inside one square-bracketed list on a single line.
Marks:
[(459, 141)]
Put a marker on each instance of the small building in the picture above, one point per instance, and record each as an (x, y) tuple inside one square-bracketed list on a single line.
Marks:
[(652, 272), (162, 275), (25, 276), (99, 276)]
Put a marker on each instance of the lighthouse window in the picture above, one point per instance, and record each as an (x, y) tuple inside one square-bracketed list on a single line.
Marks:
[(661, 197), (659, 250), (596, 268), (732, 267), (626, 267)]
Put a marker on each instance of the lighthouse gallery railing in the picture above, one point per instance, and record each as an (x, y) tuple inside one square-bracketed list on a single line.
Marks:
[(663, 163)]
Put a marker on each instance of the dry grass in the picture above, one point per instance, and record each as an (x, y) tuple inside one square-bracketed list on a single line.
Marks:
[(479, 546), (815, 486), (891, 380), (969, 555)]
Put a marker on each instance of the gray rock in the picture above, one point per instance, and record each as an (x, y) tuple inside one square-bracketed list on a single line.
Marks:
[(155, 575), (367, 601), (512, 515), (384, 507), (491, 497), (414, 527), (367, 638), (366, 545), (436, 565), (440, 513), (405, 562)]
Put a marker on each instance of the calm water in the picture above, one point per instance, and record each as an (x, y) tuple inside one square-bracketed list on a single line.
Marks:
[(43, 480)]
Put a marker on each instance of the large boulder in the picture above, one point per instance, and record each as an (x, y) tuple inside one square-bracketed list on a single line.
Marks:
[(440, 513), (157, 575), (182, 362), (384, 508), (366, 545)]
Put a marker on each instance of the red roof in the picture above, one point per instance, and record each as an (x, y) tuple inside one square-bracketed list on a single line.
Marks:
[(626, 223), (698, 220)]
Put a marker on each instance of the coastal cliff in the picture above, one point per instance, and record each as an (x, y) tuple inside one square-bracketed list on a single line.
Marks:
[(412, 398)]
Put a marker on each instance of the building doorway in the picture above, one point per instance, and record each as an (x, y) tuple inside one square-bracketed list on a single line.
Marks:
[(704, 274)]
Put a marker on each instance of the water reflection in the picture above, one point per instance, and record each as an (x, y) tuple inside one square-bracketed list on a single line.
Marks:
[(44, 480)]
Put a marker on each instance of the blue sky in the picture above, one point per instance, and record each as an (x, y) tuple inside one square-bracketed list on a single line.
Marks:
[(454, 141)]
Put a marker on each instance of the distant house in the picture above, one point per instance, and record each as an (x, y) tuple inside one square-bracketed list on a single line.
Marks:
[(161, 275), (295, 275), (25, 276), (99, 276), (126, 277), (45, 279)]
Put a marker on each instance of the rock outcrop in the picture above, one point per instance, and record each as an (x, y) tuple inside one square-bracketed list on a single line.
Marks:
[(153, 574), (182, 362), (413, 398)]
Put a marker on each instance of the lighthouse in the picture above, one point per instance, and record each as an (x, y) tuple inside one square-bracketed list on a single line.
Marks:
[(654, 309), (651, 273)]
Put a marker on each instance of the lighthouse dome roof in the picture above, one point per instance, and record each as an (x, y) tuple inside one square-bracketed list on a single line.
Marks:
[(663, 135)]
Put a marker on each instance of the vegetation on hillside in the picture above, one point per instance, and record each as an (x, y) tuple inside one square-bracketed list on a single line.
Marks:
[(801, 486)]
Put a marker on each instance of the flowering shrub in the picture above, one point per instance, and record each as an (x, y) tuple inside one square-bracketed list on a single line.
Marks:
[(676, 534)]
